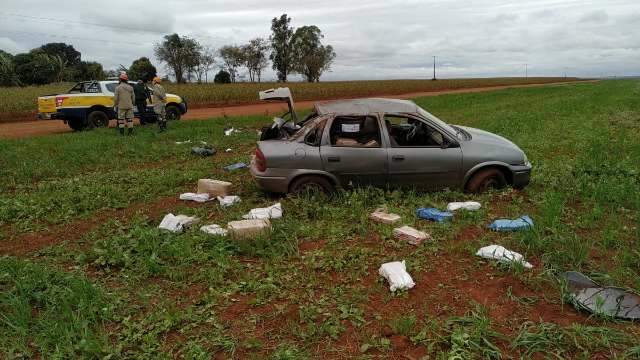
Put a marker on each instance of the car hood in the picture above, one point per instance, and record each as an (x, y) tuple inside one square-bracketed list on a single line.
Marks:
[(485, 137)]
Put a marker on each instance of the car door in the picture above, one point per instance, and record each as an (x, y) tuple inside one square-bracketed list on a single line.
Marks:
[(352, 150), (420, 155)]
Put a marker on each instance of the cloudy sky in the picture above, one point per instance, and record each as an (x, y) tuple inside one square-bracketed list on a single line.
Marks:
[(382, 39)]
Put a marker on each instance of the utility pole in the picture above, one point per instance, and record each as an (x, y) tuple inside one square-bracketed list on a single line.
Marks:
[(434, 68)]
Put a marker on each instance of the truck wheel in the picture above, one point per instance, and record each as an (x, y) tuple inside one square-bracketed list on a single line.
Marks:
[(97, 119), (311, 183), (173, 113), (485, 179), (76, 125)]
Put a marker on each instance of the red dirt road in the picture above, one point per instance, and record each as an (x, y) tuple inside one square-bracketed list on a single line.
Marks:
[(46, 127)]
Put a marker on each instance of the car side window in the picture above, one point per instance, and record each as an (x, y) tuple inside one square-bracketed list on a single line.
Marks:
[(93, 88), (406, 131), (355, 131)]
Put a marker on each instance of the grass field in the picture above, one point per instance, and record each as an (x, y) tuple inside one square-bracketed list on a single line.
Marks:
[(16, 101), (87, 274)]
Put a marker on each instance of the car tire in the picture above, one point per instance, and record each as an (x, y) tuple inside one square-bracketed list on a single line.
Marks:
[(485, 179), (172, 113), (76, 125), (311, 183), (97, 119)]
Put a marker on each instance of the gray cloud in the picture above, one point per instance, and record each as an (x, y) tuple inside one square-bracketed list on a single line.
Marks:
[(373, 39)]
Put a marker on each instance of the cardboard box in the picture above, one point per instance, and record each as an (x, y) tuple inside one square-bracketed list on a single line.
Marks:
[(214, 187), (410, 235), (248, 228), (382, 216)]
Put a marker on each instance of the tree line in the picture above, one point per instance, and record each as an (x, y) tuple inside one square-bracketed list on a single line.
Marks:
[(290, 51)]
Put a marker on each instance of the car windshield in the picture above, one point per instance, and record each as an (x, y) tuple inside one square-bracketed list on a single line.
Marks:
[(448, 128)]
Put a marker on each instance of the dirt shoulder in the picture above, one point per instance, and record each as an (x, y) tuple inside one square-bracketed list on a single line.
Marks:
[(22, 129)]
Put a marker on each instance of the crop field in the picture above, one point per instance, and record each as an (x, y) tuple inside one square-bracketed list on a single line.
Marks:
[(18, 102), (85, 273)]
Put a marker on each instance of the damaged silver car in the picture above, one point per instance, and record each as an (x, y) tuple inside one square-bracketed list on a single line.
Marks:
[(380, 142)]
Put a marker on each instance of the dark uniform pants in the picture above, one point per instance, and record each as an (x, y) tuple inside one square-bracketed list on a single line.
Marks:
[(142, 110)]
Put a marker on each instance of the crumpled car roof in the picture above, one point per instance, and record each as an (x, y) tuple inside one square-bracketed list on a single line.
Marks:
[(365, 106)]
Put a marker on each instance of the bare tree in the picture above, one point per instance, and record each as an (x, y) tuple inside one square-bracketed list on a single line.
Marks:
[(256, 57), (206, 61), (233, 58), (180, 54)]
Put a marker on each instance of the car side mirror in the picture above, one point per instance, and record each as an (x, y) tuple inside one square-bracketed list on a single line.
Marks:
[(449, 144)]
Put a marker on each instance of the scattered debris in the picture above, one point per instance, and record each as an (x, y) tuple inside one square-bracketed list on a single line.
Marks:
[(381, 216), (183, 142), (521, 223), (202, 197), (271, 212), (497, 252), (248, 228), (228, 150), (397, 275), (214, 187), (590, 296), (410, 235), (229, 131), (434, 214), (228, 200), (466, 205), (203, 151), (214, 229), (236, 166), (176, 223)]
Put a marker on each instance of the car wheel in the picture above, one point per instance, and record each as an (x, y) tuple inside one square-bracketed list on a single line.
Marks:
[(311, 183), (485, 179), (97, 119), (76, 125), (173, 113)]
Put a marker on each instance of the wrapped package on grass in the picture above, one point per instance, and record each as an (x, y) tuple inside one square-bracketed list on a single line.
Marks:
[(236, 166), (382, 216), (271, 212), (176, 223), (228, 200), (248, 228), (410, 235), (214, 187), (204, 197), (465, 205), (434, 214), (214, 229), (397, 275), (499, 253), (521, 223)]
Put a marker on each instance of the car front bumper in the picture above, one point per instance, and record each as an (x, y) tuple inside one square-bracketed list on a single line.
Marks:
[(521, 175)]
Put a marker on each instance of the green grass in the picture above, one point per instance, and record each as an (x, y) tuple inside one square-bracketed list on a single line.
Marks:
[(124, 289)]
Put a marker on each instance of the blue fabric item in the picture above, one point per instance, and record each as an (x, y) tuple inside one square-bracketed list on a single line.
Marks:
[(521, 223), (434, 214), (237, 166)]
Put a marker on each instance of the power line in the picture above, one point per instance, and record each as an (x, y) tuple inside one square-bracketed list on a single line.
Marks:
[(65, 21), (76, 38)]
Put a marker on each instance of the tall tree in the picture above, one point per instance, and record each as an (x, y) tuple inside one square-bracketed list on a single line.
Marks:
[(90, 70), (180, 54), (311, 58), (35, 67), (142, 69), (233, 58), (281, 54), (66, 52), (255, 57), (206, 60), (8, 76)]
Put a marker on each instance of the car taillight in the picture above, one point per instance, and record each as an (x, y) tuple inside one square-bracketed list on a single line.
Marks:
[(59, 100), (261, 162)]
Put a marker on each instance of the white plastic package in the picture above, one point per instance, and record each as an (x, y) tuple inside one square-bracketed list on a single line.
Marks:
[(497, 252), (466, 205), (228, 200), (397, 275), (214, 229), (204, 197), (271, 212), (176, 223)]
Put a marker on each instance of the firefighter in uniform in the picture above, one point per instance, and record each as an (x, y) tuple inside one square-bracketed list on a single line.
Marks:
[(142, 95), (159, 98), (123, 100)]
